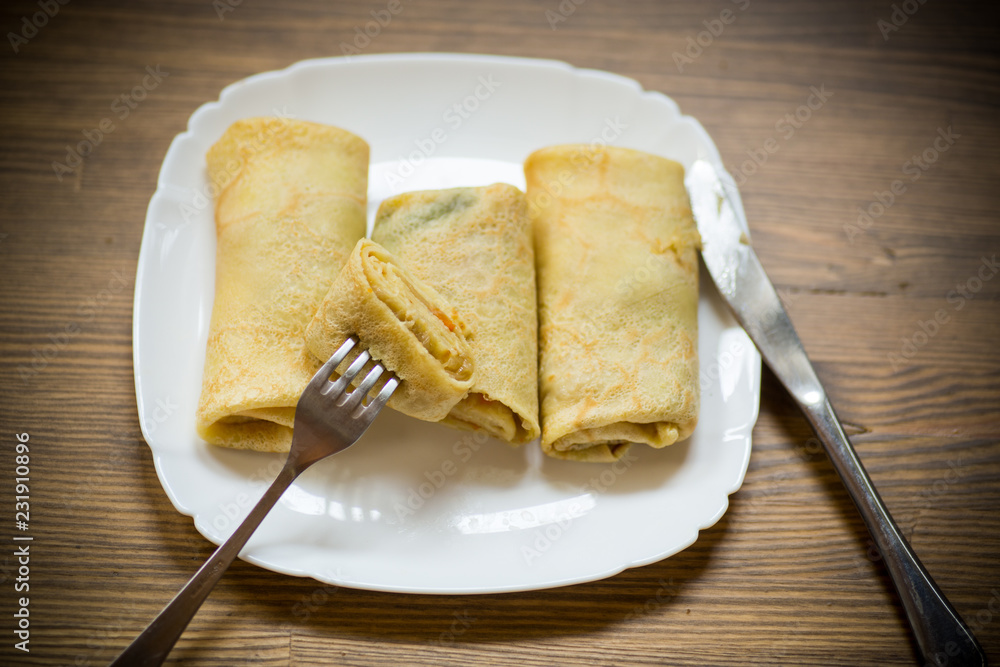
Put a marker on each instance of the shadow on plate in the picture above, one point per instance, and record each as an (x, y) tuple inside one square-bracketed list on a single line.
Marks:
[(641, 469), (401, 452)]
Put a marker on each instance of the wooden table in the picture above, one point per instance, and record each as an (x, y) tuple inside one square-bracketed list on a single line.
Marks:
[(787, 576)]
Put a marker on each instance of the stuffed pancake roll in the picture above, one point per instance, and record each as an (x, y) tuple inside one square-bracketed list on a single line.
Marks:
[(618, 300), (290, 206), (404, 324), (474, 246)]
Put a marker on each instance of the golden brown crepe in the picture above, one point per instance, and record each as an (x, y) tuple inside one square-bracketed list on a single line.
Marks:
[(404, 324), (618, 300), (291, 205), (474, 246)]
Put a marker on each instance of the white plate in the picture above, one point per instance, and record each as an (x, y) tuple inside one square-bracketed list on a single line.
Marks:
[(418, 507)]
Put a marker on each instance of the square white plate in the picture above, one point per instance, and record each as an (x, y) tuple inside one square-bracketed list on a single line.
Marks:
[(418, 507)]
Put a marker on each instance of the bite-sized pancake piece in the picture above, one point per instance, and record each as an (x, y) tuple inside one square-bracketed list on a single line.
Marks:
[(406, 325)]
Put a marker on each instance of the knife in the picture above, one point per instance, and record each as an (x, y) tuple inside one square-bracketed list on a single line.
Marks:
[(942, 637)]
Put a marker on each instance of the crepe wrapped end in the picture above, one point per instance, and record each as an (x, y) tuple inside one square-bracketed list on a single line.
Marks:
[(475, 246), (290, 206), (404, 324), (616, 248)]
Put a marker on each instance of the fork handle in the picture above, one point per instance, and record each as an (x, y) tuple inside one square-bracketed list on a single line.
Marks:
[(151, 647), (942, 636)]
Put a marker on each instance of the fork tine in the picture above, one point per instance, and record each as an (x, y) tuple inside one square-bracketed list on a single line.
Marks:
[(344, 381), (324, 373), (365, 386), (383, 396)]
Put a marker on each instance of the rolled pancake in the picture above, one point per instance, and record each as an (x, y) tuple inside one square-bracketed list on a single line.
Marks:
[(404, 324), (291, 205), (474, 246), (618, 300)]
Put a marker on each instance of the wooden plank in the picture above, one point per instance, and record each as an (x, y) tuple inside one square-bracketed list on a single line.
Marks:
[(786, 577)]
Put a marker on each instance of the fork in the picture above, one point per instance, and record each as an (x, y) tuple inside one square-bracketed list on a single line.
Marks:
[(328, 420)]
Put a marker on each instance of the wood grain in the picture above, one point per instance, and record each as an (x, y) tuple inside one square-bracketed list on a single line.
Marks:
[(786, 577)]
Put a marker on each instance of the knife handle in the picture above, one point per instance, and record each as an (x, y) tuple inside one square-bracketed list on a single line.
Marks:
[(942, 636)]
